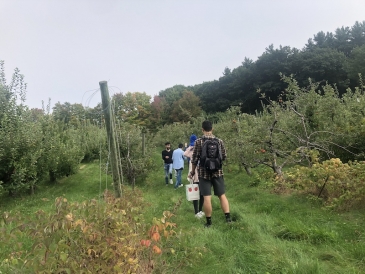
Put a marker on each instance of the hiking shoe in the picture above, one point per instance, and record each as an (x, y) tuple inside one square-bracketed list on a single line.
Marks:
[(207, 225), (198, 215), (171, 181), (202, 213), (228, 220), (181, 185)]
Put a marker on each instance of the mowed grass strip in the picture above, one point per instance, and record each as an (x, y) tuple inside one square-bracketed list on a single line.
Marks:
[(88, 183)]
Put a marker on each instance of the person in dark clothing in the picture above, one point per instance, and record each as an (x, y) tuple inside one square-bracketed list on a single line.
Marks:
[(208, 179), (167, 158)]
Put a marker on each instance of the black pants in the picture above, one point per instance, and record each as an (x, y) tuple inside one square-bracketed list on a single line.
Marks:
[(200, 202)]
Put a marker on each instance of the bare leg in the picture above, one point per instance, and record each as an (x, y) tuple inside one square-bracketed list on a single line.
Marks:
[(208, 206), (224, 203)]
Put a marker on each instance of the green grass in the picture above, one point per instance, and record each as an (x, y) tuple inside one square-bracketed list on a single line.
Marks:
[(270, 234), (82, 186)]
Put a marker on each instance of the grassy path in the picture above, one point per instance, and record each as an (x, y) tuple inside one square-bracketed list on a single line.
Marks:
[(270, 234)]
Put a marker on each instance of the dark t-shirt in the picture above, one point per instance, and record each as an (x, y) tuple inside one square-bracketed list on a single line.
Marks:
[(167, 153)]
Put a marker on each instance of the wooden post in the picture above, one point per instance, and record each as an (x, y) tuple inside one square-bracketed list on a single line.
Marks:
[(111, 137)]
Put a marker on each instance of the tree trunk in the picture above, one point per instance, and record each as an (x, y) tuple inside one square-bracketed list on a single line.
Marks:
[(248, 169), (277, 170), (31, 190), (52, 176)]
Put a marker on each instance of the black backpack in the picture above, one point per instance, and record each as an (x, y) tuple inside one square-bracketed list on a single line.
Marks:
[(211, 155)]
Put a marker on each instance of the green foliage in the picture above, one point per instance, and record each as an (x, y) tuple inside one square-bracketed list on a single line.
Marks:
[(290, 130), (356, 64), (135, 162), (341, 186), (62, 149), (21, 139), (176, 104), (35, 144), (133, 108), (321, 65), (157, 113), (177, 133), (186, 108), (172, 94), (92, 140), (68, 113)]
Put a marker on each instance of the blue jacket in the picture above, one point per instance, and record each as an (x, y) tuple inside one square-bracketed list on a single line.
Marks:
[(178, 159)]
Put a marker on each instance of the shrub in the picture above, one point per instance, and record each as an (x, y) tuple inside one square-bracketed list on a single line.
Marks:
[(93, 236), (341, 186)]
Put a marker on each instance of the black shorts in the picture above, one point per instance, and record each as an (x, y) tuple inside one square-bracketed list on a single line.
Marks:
[(205, 186)]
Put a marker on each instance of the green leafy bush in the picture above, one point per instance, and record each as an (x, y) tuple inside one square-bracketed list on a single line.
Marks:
[(341, 186)]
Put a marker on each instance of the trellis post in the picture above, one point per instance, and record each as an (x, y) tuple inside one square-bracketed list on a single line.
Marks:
[(111, 138)]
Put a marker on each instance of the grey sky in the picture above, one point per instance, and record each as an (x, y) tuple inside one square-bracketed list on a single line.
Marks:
[(65, 47)]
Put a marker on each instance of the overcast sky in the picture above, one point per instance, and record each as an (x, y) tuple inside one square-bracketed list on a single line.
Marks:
[(65, 47)]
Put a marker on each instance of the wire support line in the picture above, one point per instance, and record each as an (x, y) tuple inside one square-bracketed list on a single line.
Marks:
[(90, 90)]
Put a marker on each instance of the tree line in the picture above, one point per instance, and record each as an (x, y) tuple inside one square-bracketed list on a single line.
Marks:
[(336, 58)]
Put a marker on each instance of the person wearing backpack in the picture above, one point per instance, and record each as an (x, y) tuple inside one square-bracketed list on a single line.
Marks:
[(210, 152)]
